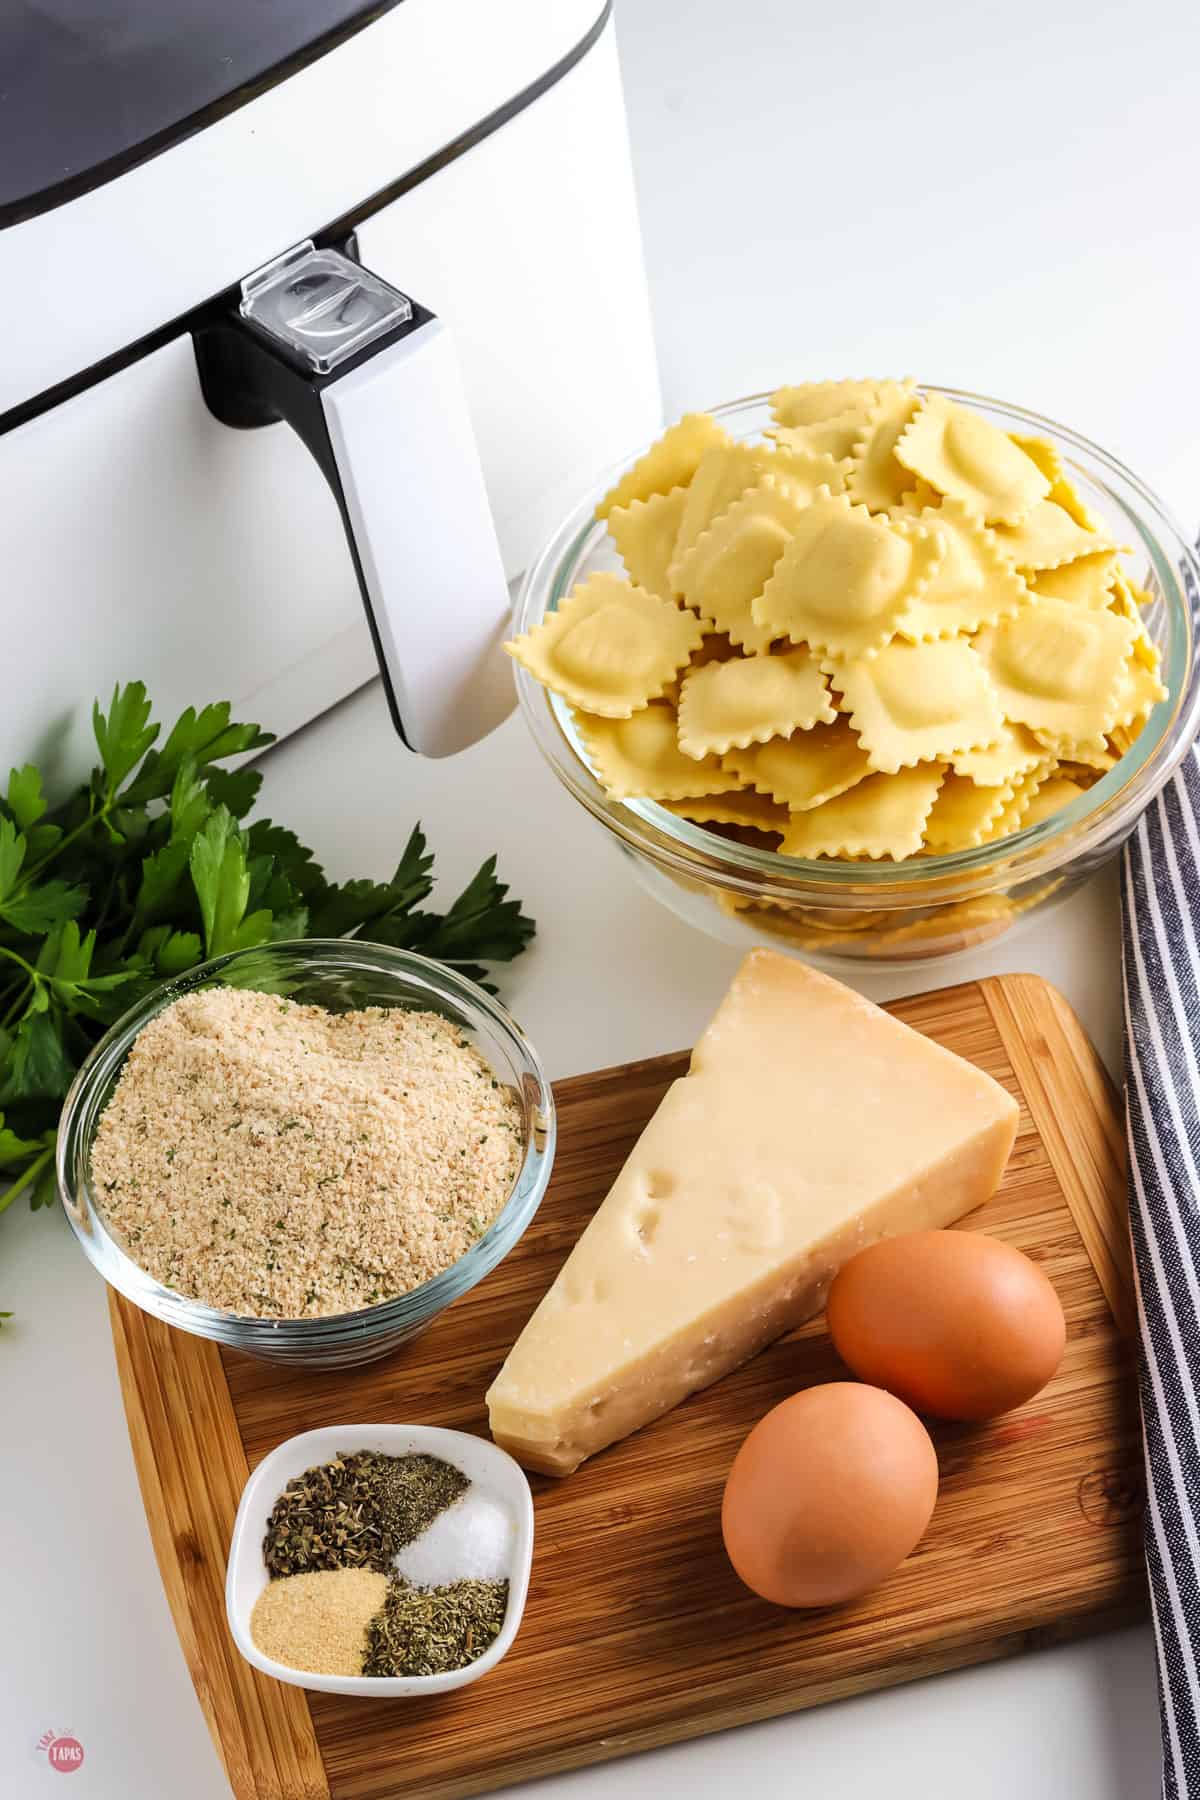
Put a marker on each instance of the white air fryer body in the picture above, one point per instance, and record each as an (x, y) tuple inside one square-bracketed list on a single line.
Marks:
[(142, 537)]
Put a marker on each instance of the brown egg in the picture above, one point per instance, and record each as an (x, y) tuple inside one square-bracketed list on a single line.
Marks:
[(957, 1324), (828, 1494)]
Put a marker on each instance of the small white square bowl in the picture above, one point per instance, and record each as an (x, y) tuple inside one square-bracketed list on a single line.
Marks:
[(246, 1576)]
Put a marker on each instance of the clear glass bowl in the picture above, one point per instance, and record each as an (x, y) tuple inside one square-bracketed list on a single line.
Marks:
[(886, 913), (341, 975)]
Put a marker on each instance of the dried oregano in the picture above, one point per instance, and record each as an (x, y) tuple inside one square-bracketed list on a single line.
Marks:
[(357, 1511)]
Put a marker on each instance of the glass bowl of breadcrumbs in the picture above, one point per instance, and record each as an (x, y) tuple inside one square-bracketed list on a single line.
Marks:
[(307, 1150)]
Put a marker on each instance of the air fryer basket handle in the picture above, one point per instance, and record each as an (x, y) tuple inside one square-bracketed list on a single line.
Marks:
[(369, 380)]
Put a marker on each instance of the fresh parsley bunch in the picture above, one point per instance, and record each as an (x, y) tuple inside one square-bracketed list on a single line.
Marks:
[(147, 870)]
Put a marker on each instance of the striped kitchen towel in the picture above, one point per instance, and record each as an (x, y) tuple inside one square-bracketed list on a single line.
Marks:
[(1161, 891)]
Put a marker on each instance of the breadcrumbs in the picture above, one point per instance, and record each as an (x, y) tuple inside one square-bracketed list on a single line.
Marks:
[(282, 1161), (319, 1622)]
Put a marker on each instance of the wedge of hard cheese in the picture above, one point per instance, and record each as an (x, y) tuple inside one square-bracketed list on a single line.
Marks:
[(810, 1123)]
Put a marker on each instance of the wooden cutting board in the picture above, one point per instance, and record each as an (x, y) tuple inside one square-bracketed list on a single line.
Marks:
[(637, 1632)]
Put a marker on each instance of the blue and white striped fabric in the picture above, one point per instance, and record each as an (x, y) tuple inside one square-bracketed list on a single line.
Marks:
[(1161, 889)]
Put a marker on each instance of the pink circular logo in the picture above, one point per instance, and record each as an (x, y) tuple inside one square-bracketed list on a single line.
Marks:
[(65, 1754)]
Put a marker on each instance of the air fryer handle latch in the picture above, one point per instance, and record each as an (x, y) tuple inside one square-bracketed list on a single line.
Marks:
[(369, 380)]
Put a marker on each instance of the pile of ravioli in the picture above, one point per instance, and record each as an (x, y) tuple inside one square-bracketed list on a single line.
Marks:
[(891, 629)]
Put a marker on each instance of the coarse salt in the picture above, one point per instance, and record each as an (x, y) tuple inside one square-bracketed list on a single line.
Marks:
[(471, 1541)]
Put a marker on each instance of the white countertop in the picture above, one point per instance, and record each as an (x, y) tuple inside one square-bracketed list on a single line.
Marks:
[(964, 193)]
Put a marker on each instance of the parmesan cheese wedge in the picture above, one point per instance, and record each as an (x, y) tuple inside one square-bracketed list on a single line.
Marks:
[(810, 1124)]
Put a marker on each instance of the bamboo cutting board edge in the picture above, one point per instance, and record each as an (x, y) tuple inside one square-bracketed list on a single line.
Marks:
[(1050, 1052), (180, 1410), (191, 1499)]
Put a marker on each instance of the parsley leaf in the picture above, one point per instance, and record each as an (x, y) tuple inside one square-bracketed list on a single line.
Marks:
[(14, 1149), (12, 857), (36, 1066), (482, 925), (236, 789), (25, 799), (202, 737), (351, 907), (43, 907), (123, 734), (357, 904), (222, 879), (170, 952), (190, 803), (162, 872), (291, 857)]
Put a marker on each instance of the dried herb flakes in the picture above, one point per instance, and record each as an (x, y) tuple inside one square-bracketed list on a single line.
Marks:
[(425, 1631), (357, 1511), (413, 1491)]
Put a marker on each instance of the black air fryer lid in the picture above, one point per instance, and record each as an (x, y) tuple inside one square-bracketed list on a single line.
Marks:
[(88, 88)]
